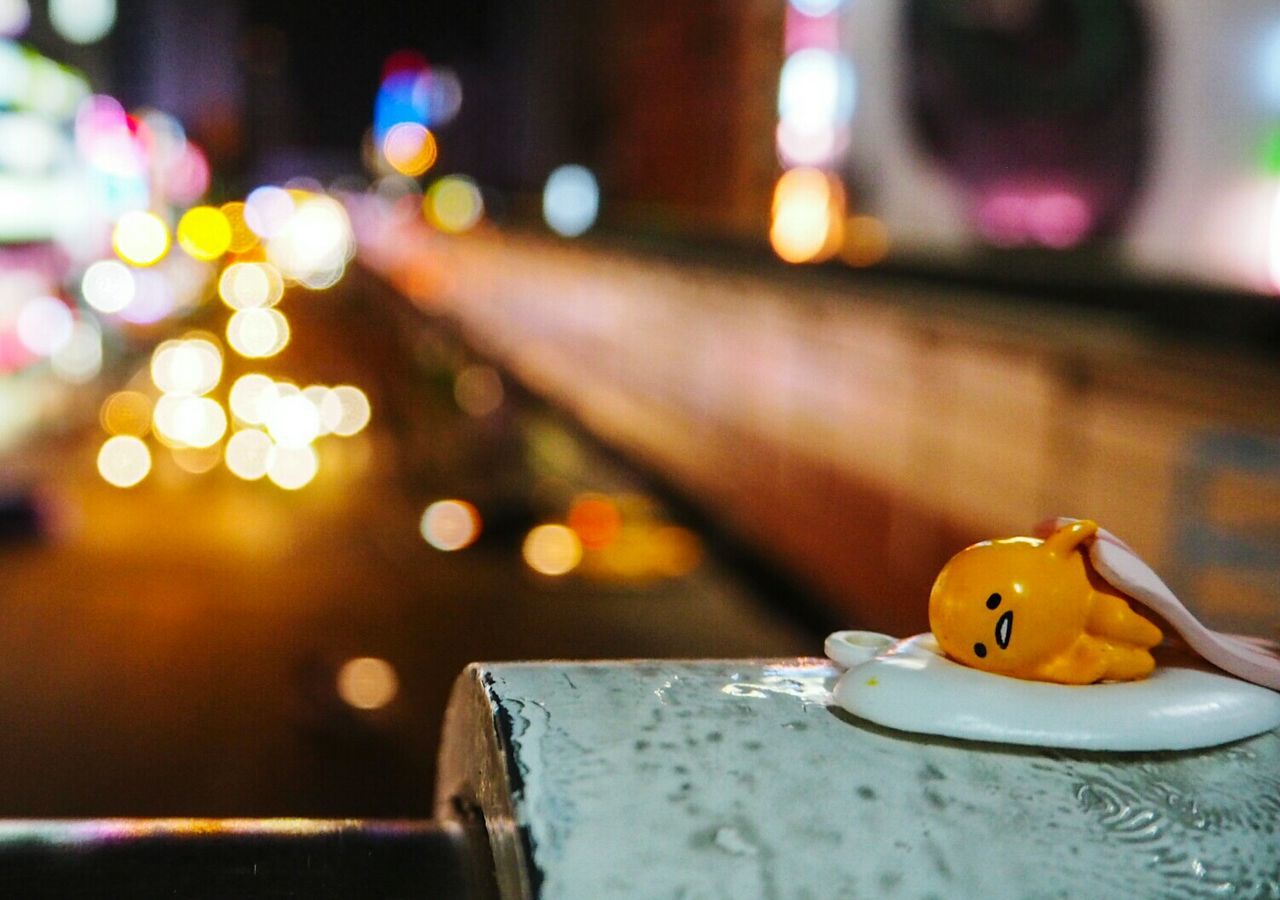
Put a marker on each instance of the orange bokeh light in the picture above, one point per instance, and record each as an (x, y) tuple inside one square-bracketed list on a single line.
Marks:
[(596, 519)]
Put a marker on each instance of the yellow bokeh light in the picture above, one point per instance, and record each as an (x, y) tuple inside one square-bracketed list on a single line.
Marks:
[(124, 461), (250, 396), (204, 233), (196, 460), (293, 421), (866, 241), (315, 244), (355, 410), (242, 236), (328, 407), (140, 238), (257, 333), (409, 148), (450, 524), (268, 401), (126, 412), (677, 551), (249, 454), (552, 549), (293, 468), (808, 216), (367, 683), (453, 204), (250, 285), (181, 420), (186, 366)]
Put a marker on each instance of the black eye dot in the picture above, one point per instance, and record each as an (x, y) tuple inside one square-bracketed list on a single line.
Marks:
[(980, 650), (993, 601)]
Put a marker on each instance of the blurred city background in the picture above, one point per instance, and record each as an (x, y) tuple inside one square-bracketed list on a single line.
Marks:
[(344, 344)]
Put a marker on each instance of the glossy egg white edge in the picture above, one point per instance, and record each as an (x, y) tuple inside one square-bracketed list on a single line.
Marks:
[(910, 686)]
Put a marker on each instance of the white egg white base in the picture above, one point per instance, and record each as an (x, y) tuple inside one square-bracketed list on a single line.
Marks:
[(910, 686)]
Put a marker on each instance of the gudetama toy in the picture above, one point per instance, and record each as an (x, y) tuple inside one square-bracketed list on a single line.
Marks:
[(1036, 609)]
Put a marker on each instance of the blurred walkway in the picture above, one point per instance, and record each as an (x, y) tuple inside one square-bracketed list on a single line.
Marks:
[(172, 649)]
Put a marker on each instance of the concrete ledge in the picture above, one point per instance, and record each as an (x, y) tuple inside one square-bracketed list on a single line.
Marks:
[(739, 778)]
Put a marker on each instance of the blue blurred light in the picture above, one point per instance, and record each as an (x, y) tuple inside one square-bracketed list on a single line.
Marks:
[(421, 96), (395, 104), (571, 200), (816, 8), (1270, 68), (817, 88)]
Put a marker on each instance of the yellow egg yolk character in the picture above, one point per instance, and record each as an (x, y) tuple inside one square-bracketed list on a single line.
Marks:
[(1036, 609)]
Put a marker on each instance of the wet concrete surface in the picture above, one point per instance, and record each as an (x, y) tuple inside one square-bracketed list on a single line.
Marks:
[(172, 649)]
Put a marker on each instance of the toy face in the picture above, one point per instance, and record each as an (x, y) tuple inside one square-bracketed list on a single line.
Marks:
[(1009, 606)]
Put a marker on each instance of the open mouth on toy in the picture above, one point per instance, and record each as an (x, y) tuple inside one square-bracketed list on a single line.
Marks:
[(1004, 629)]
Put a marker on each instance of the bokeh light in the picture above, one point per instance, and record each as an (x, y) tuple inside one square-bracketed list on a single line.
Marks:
[(552, 549), (328, 408), (250, 285), (571, 200), (478, 390), (127, 413), (355, 410), (15, 16), (453, 204), (257, 333), (30, 144), (293, 468), (242, 236), (204, 233), (107, 286), (186, 177), (596, 520), (267, 210), (438, 94), (79, 360), (45, 325), (367, 683), (415, 93), (866, 241), (1050, 216), (816, 89), (816, 8), (140, 238), (249, 454), (293, 421), (1269, 67), (315, 243), (124, 461), (82, 21), (181, 420), (196, 460), (450, 524), (153, 298), (677, 551), (192, 366), (107, 143), (251, 396), (808, 216), (409, 148)]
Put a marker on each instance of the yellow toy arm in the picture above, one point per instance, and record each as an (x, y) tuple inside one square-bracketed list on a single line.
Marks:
[(1111, 619), (1084, 662)]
